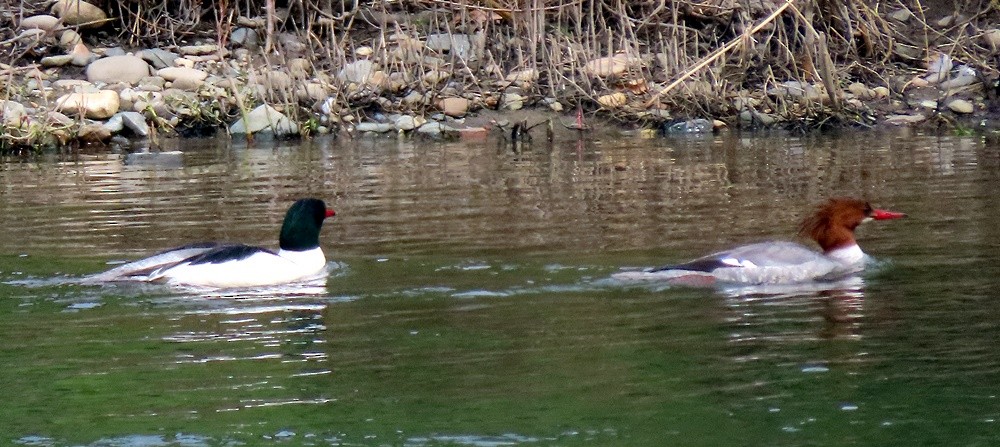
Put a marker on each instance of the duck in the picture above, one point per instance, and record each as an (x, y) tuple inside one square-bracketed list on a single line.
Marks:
[(831, 226), (220, 265)]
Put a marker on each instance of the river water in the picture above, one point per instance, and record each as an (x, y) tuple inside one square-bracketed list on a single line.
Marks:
[(470, 303)]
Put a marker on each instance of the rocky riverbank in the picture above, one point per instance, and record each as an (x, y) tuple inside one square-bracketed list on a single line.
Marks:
[(71, 80)]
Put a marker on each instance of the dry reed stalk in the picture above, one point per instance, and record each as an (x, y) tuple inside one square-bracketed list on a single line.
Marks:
[(715, 55)]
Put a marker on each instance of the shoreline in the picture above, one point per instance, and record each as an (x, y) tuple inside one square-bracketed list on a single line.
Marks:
[(72, 84)]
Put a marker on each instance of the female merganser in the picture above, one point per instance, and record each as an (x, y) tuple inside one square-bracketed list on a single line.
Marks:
[(216, 265), (831, 226)]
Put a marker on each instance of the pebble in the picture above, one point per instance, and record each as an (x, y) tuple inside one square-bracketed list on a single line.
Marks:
[(72, 84), (513, 101), (749, 117), (245, 37), (526, 75), (611, 66), (312, 91), (79, 13), (93, 105), (197, 50), (152, 84), (899, 120), (432, 128), (57, 61), (454, 107), (69, 39), (81, 55), (992, 39), (135, 122), (93, 133), (277, 80), (173, 74), (612, 101), (357, 72), (158, 58), (860, 90), (405, 122), (129, 69), (264, 119), (11, 111), (960, 106), (434, 77), (43, 22), (300, 67)]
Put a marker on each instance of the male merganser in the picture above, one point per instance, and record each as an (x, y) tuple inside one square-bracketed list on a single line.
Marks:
[(216, 265), (831, 226)]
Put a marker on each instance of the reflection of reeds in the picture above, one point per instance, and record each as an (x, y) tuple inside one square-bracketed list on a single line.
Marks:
[(405, 197)]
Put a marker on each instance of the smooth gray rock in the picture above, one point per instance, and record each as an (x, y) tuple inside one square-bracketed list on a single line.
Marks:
[(264, 119), (114, 124), (405, 122), (135, 122), (11, 111), (129, 69), (158, 58), (245, 37)]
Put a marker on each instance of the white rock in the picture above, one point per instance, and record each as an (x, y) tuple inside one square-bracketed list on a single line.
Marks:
[(193, 50), (901, 15), (57, 61), (128, 69), (42, 22), (97, 105), (175, 73), (433, 128), (69, 39), (74, 84), (76, 12), (992, 39), (405, 122), (264, 119), (960, 106), (457, 44), (526, 75), (611, 65), (357, 72), (900, 120), (513, 101), (11, 112)]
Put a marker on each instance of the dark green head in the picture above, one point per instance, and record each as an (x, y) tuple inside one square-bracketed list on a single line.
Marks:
[(300, 231)]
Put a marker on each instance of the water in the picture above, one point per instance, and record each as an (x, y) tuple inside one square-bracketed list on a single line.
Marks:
[(471, 305)]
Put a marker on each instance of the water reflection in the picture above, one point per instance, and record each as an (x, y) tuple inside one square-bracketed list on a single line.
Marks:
[(473, 310)]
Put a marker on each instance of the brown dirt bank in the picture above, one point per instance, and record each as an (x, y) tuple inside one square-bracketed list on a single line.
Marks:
[(424, 66)]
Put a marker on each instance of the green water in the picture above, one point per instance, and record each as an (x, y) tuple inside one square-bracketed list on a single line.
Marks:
[(470, 305)]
